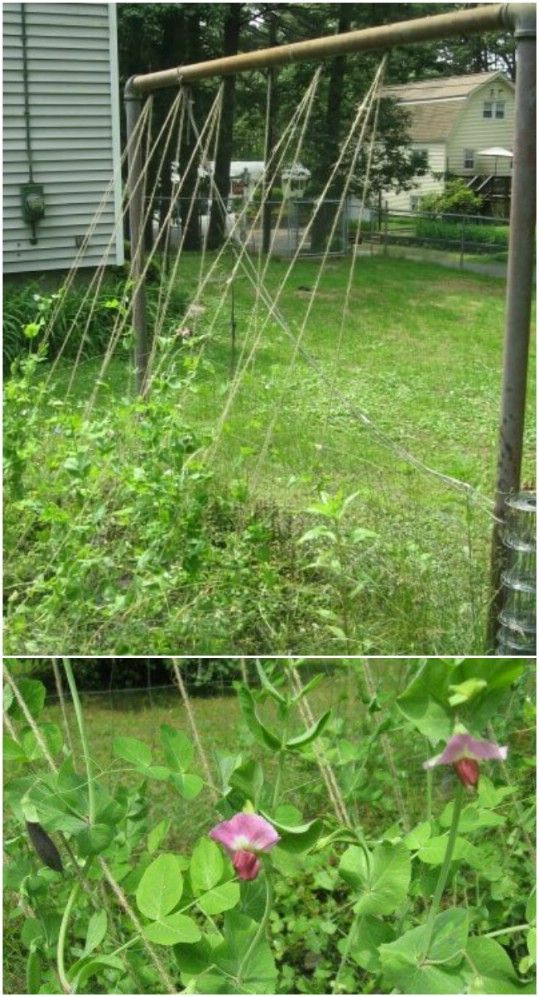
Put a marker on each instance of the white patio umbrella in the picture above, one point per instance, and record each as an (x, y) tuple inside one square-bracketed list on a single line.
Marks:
[(496, 152)]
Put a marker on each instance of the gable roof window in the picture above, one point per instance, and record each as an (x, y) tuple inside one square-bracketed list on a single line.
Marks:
[(487, 109), (499, 109)]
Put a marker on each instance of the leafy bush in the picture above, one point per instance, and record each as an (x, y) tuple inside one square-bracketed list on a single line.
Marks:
[(444, 230), (457, 198), (31, 313)]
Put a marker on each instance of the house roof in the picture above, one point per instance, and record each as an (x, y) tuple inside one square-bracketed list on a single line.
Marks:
[(434, 105), (433, 122), (446, 88)]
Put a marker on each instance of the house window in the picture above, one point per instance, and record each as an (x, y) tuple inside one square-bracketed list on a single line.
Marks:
[(414, 202), (487, 109), (469, 159), (499, 109), (420, 158)]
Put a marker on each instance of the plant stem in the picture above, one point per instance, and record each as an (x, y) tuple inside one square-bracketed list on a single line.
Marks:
[(82, 730), (346, 953), (63, 928), (429, 794), (66, 986), (280, 761), (260, 931), (507, 931), (444, 871)]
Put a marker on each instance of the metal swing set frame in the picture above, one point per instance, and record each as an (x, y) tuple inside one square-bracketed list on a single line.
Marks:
[(516, 17)]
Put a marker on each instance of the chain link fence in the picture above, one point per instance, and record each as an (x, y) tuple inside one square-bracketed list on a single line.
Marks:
[(479, 236), (309, 229), (288, 227)]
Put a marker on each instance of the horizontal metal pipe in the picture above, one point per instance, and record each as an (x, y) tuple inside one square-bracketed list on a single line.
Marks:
[(461, 22)]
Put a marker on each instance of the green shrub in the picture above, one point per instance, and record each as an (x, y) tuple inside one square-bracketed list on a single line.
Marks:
[(457, 198), (31, 313), (454, 231)]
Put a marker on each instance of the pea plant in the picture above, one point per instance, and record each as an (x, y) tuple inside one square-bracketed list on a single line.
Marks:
[(354, 895)]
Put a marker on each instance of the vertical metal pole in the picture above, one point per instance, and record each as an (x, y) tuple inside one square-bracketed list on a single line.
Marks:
[(518, 297), (135, 194)]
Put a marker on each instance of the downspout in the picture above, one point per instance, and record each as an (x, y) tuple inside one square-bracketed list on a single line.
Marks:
[(522, 18), (33, 203), (26, 95)]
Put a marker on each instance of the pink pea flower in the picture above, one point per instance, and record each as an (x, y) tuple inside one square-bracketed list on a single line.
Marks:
[(244, 837), (464, 753)]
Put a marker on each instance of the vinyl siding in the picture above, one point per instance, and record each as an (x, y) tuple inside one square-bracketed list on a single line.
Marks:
[(427, 184), (74, 122), (473, 131)]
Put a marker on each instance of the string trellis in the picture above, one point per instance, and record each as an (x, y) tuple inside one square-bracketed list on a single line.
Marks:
[(218, 271)]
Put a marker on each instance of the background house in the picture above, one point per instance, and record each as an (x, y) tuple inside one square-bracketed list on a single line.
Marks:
[(61, 135), (455, 124)]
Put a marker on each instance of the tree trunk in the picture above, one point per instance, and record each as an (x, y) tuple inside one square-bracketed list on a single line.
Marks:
[(223, 155), (329, 149)]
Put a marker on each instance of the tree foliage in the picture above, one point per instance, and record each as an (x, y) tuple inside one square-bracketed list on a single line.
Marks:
[(160, 35), (457, 198)]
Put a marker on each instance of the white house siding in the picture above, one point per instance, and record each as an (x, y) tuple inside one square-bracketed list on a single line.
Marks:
[(75, 134), (428, 184), (474, 132)]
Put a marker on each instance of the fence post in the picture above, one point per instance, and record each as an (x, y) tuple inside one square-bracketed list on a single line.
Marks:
[(462, 242), (386, 227), (135, 194), (518, 300)]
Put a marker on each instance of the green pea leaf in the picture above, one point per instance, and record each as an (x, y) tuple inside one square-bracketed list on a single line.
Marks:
[(13, 752), (494, 971), (133, 751), (531, 907), (381, 877), (465, 691), (206, 866), (473, 818), (93, 840), (177, 747), (268, 686), (249, 780), (371, 932), (85, 968), (222, 897), (96, 932), (418, 836), (309, 687), (259, 973), (189, 786), (33, 973), (7, 698), (310, 735), (296, 837), (257, 728), (424, 701), (33, 693), (449, 935), (157, 834), (160, 888), (172, 930), (406, 967)]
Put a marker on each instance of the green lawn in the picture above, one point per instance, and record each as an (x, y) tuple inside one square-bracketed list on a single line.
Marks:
[(420, 352)]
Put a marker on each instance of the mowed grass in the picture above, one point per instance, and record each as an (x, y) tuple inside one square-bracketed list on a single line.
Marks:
[(419, 350)]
